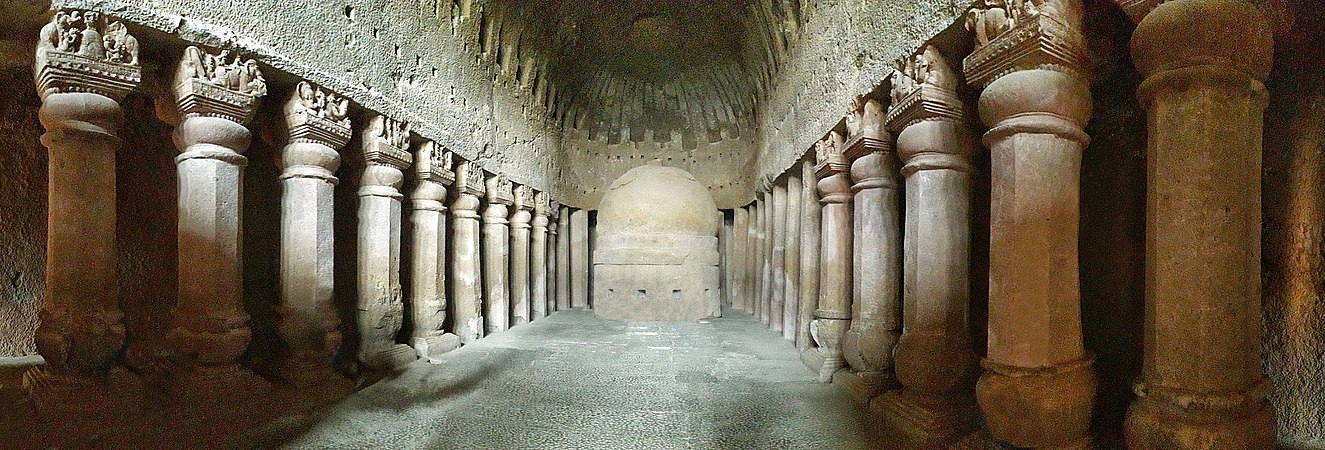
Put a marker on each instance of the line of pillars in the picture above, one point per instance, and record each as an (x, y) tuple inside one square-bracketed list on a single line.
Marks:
[(880, 296)]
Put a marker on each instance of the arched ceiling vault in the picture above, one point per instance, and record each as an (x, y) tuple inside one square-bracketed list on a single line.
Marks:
[(618, 69)]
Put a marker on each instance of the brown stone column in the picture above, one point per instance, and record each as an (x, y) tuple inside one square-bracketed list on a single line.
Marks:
[(738, 261), (563, 258), (209, 326), (497, 254), (792, 256), (466, 275), (538, 257), (579, 258), (777, 261), (521, 216), (809, 262), (318, 126), (756, 261), (80, 335), (381, 311), (427, 302), (832, 318), (1038, 387), (1201, 384), (935, 363), (554, 239), (764, 204), (877, 256)]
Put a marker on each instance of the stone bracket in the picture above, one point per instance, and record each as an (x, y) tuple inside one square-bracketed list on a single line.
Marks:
[(200, 98), (70, 72), (1037, 42), (925, 102)]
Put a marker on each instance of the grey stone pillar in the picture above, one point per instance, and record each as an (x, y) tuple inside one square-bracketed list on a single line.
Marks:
[(521, 216), (381, 311), (466, 275), (538, 257), (1201, 384), (80, 333), (792, 256), (564, 236), (833, 316), (427, 302), (308, 322), (579, 255), (876, 308), (777, 262), (738, 261), (724, 259), (209, 326), (1038, 387), (756, 263), (809, 262), (934, 360), (497, 254), (765, 252)]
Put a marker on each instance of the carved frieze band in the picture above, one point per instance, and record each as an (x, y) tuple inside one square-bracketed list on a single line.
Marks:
[(1024, 35), (314, 114), (215, 83), (83, 51), (385, 141), (433, 163)]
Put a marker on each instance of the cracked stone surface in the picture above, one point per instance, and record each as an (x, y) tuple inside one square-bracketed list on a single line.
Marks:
[(574, 381)]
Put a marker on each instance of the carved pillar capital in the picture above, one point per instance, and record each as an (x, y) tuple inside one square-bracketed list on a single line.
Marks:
[(469, 180), (499, 189), (1027, 35), (522, 206), (318, 127), (432, 169), (1166, 53), (831, 169), (927, 114), (216, 83), (85, 51), (384, 144), (869, 148)]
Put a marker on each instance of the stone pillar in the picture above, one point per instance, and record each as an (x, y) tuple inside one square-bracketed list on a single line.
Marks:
[(209, 326), (553, 248), (1201, 384), (538, 256), (809, 261), (777, 262), (318, 127), (934, 361), (752, 265), (80, 335), (521, 215), (877, 255), (1038, 387), (466, 276), (497, 254), (564, 236), (740, 246), (832, 318), (792, 256), (765, 252), (380, 309), (427, 302), (579, 256), (724, 259)]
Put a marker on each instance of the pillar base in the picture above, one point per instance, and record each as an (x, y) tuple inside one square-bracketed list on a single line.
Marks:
[(822, 362), (1045, 407), (392, 359), (59, 397), (915, 421), (430, 348), (1242, 420), (861, 387)]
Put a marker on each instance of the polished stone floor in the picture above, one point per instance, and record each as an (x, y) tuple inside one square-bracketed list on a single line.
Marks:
[(572, 381)]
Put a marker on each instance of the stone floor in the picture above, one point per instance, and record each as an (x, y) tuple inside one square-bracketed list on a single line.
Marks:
[(572, 381)]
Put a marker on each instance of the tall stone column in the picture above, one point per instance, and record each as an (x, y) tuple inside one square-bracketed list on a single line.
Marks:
[(80, 334), (579, 258), (765, 268), (740, 247), (521, 216), (792, 256), (209, 326), (497, 254), (777, 261), (751, 259), (934, 361), (809, 261), (553, 245), (427, 302), (538, 256), (877, 256), (1201, 384), (380, 309), (724, 259), (564, 235), (318, 127), (466, 275), (1038, 387), (832, 318)]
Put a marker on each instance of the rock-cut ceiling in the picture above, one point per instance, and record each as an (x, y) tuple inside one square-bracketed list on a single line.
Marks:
[(624, 67)]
